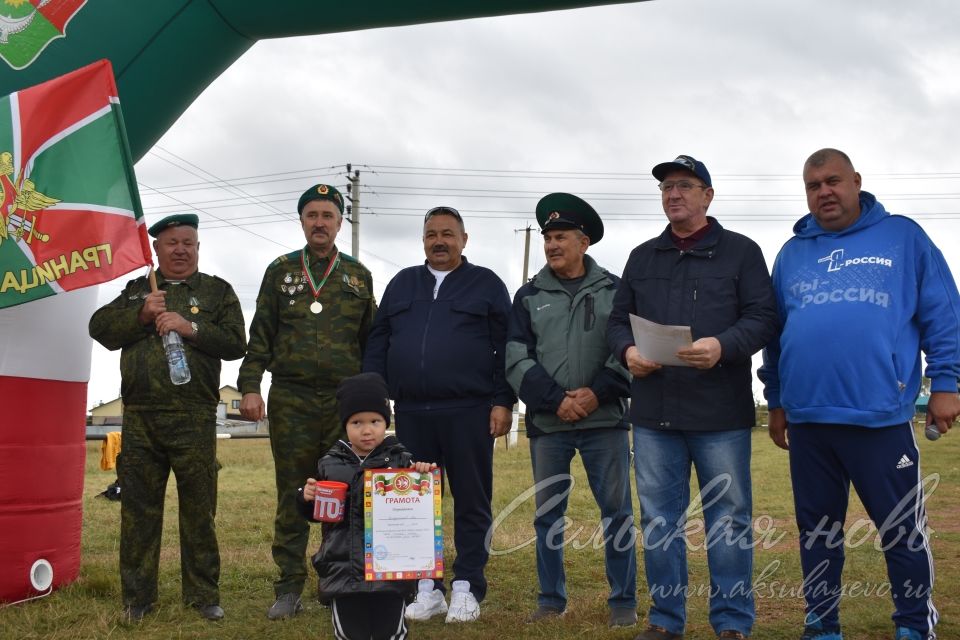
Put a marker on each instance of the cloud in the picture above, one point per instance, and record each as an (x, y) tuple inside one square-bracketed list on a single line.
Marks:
[(585, 101)]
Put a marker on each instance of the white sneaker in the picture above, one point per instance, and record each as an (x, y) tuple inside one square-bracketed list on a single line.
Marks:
[(428, 603), (463, 606)]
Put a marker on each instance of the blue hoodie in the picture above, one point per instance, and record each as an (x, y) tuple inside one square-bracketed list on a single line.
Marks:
[(856, 307)]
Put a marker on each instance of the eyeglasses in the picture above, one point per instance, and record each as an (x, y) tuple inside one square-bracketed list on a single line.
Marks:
[(450, 211), (683, 186)]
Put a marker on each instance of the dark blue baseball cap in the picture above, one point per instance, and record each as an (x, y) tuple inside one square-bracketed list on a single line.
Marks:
[(683, 162)]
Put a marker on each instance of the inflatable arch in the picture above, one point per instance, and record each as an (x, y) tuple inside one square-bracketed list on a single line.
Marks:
[(163, 54)]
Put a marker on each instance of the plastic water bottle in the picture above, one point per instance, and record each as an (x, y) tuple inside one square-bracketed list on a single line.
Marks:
[(176, 358)]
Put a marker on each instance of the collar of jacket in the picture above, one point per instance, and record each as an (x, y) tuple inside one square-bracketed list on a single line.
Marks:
[(342, 449), (463, 266), (547, 280), (192, 281), (705, 248)]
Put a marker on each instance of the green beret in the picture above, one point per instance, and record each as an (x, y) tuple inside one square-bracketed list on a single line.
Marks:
[(567, 211), (176, 220), (320, 192)]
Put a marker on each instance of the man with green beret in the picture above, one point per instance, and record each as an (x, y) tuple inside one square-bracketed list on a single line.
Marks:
[(310, 328), (575, 393), (168, 426)]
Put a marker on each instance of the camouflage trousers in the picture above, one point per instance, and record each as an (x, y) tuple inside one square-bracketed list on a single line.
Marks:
[(304, 424), (153, 444)]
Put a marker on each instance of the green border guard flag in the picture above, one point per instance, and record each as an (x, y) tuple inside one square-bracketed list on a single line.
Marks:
[(70, 213)]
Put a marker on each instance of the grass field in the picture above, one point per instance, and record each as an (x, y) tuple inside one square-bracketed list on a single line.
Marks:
[(90, 608)]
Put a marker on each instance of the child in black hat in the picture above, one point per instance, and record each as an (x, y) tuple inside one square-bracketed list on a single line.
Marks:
[(361, 609)]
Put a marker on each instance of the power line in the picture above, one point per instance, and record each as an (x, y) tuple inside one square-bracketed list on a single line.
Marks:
[(287, 175), (231, 189), (227, 222), (646, 176), (385, 194)]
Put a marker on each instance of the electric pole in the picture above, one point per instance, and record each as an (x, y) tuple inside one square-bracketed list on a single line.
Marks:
[(526, 257), (353, 209)]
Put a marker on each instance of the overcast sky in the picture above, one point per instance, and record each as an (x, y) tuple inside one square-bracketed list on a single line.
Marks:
[(488, 115)]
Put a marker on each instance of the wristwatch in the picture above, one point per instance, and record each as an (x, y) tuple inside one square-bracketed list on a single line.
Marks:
[(196, 329)]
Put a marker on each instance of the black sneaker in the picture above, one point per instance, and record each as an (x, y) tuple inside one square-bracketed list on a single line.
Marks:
[(213, 612), (622, 617), (544, 612), (136, 612), (655, 632), (286, 606)]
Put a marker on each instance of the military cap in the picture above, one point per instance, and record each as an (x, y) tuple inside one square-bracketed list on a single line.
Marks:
[(683, 162), (176, 220), (567, 211), (320, 192)]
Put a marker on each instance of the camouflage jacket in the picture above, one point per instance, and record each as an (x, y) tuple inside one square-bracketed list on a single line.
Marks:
[(144, 377), (297, 346)]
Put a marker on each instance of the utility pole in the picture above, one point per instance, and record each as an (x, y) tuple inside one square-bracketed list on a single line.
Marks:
[(353, 192), (526, 257)]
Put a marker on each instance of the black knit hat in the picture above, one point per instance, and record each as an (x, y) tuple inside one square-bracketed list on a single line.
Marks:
[(363, 392)]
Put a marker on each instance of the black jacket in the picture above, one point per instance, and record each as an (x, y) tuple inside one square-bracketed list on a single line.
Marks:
[(339, 562), (720, 288)]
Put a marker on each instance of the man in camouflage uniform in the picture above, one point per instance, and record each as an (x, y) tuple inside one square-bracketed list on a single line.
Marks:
[(166, 426), (314, 311)]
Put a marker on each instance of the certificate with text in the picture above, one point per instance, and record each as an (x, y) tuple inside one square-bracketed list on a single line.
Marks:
[(403, 527)]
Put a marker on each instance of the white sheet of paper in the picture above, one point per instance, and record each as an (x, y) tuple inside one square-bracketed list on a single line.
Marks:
[(659, 342)]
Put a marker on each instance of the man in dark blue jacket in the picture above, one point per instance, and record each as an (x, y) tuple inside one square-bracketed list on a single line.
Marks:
[(696, 274), (439, 340)]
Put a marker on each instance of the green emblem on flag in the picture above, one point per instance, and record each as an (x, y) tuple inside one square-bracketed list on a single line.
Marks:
[(28, 26)]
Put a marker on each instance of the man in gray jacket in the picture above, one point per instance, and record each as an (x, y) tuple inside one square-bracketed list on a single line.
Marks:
[(575, 393)]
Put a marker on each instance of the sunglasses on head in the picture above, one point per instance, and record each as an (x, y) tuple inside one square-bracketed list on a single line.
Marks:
[(450, 211)]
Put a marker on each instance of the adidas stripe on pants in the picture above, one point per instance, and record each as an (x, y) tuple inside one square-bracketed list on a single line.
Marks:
[(884, 467)]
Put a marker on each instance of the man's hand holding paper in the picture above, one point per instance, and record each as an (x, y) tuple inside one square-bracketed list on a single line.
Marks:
[(662, 345), (702, 354), (638, 365)]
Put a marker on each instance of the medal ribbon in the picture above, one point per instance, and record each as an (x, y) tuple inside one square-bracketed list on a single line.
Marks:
[(314, 287)]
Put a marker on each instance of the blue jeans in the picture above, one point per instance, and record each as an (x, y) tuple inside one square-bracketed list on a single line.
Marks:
[(606, 458), (662, 461)]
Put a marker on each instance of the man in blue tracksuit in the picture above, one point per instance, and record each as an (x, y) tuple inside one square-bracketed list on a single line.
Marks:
[(861, 293), (438, 339), (575, 393)]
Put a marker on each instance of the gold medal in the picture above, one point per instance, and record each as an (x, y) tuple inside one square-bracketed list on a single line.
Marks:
[(194, 309), (315, 306)]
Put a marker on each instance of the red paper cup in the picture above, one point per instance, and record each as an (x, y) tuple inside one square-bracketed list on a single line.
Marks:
[(330, 500)]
